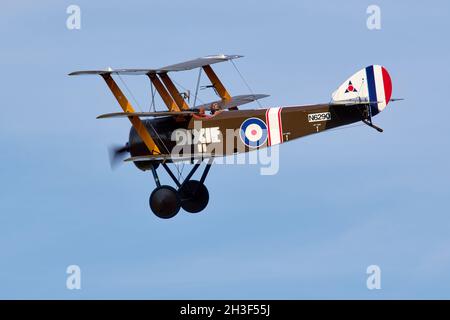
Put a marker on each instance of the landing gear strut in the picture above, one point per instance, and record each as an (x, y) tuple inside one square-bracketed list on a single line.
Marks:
[(191, 195), (368, 119)]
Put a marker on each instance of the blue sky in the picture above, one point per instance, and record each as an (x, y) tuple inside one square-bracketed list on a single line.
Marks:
[(341, 201)]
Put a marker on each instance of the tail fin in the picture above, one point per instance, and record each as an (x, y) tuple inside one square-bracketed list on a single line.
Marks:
[(372, 84)]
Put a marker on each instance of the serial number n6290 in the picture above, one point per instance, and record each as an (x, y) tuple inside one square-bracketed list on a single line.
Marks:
[(247, 309), (322, 116)]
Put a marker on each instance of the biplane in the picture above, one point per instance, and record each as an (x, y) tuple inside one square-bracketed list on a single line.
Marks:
[(200, 133)]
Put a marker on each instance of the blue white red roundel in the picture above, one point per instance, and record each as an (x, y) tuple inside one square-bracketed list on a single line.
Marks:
[(253, 132)]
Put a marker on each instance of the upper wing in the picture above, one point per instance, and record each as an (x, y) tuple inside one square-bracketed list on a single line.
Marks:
[(145, 114), (183, 66), (199, 62)]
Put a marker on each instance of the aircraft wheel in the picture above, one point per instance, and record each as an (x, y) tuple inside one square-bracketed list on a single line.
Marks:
[(165, 202), (194, 196)]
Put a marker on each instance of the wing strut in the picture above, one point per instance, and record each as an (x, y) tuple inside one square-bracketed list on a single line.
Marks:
[(174, 92), (127, 107), (223, 93), (168, 100), (218, 85)]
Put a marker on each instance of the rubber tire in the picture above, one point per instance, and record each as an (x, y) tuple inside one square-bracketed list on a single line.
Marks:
[(191, 202), (165, 202)]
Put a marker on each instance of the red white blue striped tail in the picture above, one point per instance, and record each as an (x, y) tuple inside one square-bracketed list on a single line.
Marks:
[(372, 83)]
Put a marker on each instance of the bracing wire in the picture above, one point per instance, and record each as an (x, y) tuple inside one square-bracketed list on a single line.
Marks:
[(180, 172), (137, 104), (184, 88), (245, 82), (130, 93), (197, 86), (149, 122), (152, 91)]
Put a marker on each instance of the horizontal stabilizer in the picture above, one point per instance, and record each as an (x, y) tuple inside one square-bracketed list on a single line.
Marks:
[(396, 99), (233, 102), (357, 102), (353, 102)]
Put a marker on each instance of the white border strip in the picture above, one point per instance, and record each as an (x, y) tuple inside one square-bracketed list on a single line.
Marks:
[(274, 126)]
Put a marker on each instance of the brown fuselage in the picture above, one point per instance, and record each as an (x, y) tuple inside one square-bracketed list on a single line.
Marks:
[(293, 122)]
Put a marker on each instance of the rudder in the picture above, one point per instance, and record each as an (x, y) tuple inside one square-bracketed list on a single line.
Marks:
[(372, 83)]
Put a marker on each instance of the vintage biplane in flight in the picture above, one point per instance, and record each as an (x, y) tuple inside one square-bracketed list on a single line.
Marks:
[(217, 129)]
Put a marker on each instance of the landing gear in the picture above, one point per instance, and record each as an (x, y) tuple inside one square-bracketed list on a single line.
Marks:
[(192, 195), (165, 202), (368, 119)]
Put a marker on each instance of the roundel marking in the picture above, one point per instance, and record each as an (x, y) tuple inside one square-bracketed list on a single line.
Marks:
[(253, 132)]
